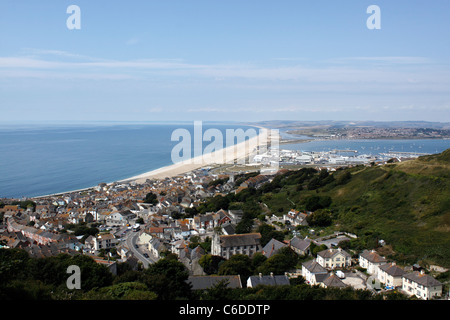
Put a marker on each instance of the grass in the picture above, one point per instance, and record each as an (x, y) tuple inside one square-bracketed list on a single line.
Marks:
[(406, 204)]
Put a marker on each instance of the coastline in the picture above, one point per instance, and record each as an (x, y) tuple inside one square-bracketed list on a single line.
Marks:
[(237, 152)]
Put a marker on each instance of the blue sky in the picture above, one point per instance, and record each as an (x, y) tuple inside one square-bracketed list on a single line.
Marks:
[(224, 60)]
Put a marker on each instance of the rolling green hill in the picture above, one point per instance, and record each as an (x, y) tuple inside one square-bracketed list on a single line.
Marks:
[(407, 204)]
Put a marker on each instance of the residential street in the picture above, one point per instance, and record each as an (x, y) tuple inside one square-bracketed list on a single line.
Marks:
[(131, 240)]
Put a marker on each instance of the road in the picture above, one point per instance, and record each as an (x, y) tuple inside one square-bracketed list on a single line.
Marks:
[(131, 239)]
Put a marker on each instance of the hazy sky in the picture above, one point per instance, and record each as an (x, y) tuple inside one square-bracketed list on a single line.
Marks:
[(243, 60)]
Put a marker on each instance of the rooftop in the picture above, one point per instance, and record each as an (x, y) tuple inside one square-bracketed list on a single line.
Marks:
[(248, 239)]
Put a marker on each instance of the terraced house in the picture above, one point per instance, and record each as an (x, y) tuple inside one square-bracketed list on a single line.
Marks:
[(34, 235)]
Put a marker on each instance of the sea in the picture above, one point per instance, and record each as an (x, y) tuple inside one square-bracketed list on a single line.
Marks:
[(372, 147), (43, 159)]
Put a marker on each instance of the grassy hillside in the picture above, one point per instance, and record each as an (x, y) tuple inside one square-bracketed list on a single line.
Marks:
[(406, 204)]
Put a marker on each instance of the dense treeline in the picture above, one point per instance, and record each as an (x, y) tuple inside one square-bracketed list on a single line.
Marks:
[(25, 278), (284, 260)]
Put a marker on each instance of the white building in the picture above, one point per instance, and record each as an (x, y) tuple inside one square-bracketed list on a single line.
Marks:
[(105, 241), (296, 218), (421, 285), (226, 246), (370, 260), (310, 269), (303, 158), (334, 258), (390, 275)]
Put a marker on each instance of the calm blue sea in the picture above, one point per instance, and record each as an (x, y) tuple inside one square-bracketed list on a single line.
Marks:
[(364, 146), (45, 159), (373, 147), (38, 160)]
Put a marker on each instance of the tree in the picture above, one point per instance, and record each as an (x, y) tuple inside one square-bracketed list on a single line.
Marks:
[(220, 291), (122, 291), (257, 260), (313, 203), (244, 226), (237, 264), (93, 274), (268, 233), (210, 263), (151, 198), (13, 265), (167, 278), (320, 218), (140, 220), (53, 271), (284, 260), (316, 249)]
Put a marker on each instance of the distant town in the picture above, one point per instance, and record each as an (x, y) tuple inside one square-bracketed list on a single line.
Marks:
[(328, 159), (349, 130), (376, 133)]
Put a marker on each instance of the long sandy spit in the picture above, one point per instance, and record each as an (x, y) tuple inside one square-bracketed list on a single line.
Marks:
[(231, 154)]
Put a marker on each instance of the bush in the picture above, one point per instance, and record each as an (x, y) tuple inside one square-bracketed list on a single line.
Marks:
[(313, 203)]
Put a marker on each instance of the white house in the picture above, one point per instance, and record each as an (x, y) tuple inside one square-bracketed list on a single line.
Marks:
[(310, 269), (144, 238), (334, 258), (390, 275), (296, 218), (421, 285), (370, 260), (120, 217), (105, 241), (156, 246)]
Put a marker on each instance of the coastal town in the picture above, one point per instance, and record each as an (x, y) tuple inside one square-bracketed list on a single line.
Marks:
[(350, 130), (329, 159), (139, 223)]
